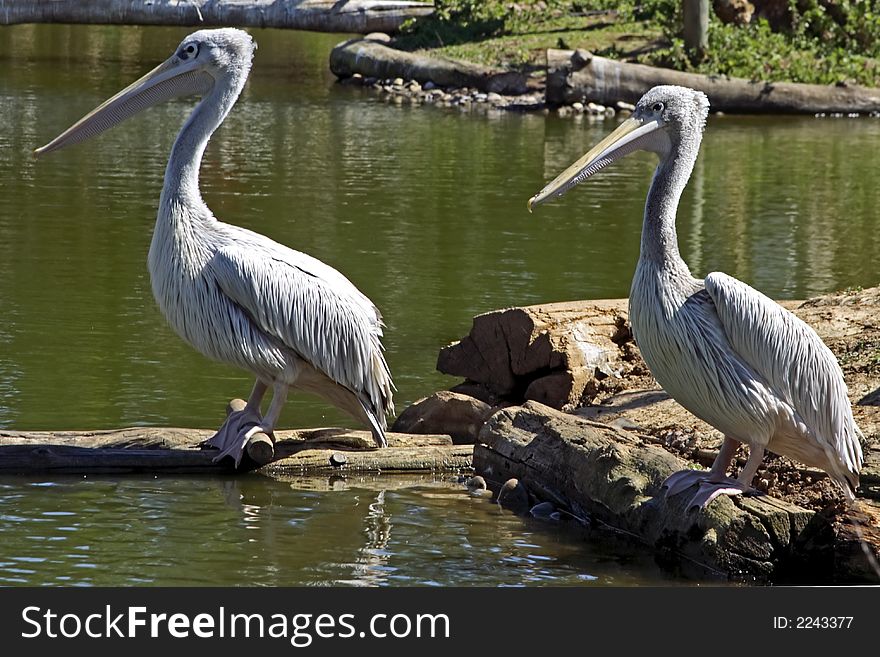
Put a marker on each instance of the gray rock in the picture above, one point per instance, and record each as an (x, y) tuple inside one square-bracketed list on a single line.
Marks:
[(428, 86), (445, 412), (514, 496), (381, 37)]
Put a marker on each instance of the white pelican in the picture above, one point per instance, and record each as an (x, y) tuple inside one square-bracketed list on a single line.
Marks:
[(235, 295), (723, 350)]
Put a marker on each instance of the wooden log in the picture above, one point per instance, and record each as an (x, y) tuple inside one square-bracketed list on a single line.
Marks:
[(613, 478), (580, 76), (174, 450), (372, 58), (550, 353), (358, 16)]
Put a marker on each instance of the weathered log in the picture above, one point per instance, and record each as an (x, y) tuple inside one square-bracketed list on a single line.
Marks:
[(580, 76), (177, 451), (359, 16), (549, 353), (371, 58), (613, 478)]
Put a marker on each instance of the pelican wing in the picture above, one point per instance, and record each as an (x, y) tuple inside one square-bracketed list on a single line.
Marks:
[(793, 360), (312, 309)]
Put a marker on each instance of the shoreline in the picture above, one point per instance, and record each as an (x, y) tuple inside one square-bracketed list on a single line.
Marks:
[(575, 83)]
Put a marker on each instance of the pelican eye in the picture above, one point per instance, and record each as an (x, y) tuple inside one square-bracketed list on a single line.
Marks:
[(188, 51), (658, 107)]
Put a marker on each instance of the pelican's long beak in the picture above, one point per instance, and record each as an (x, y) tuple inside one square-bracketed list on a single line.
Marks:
[(631, 135), (173, 77)]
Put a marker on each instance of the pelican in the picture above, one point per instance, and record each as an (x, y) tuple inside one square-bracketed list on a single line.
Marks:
[(727, 353), (233, 294)]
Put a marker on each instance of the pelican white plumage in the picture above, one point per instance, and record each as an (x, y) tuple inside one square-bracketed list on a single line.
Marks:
[(723, 350), (233, 294)]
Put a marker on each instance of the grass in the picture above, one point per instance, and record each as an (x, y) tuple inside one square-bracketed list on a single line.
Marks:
[(824, 41)]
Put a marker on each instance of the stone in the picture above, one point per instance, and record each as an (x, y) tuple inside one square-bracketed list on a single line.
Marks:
[(514, 496), (429, 85), (381, 37), (398, 82), (736, 12), (494, 98), (445, 412), (338, 459), (578, 107)]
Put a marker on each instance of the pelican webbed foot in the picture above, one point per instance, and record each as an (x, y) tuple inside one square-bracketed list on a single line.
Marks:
[(233, 435), (708, 486)]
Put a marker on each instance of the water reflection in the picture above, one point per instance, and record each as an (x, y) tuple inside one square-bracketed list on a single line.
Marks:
[(260, 531)]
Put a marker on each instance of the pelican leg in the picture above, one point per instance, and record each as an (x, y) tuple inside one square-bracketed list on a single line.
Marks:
[(267, 424), (715, 482), (233, 434), (712, 488), (684, 479)]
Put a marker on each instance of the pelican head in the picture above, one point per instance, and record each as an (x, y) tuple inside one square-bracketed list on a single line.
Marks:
[(665, 118), (205, 61)]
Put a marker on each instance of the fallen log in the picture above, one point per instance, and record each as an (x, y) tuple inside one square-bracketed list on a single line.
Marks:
[(372, 59), (171, 450), (612, 478), (580, 76), (359, 16)]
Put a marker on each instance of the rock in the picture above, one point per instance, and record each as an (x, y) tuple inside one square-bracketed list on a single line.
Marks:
[(609, 112), (476, 483), (338, 459), (736, 12), (595, 108), (429, 85), (544, 511), (398, 82), (379, 37), (495, 98), (624, 107), (514, 496), (481, 98), (445, 412), (578, 107)]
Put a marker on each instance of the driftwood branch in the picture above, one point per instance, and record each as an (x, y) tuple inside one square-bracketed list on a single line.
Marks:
[(580, 76), (359, 16), (177, 451), (373, 59)]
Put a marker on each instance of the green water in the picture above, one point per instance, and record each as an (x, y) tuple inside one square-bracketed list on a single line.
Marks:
[(423, 208)]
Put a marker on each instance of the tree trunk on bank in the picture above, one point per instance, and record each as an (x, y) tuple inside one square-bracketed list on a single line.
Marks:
[(359, 16), (580, 76), (695, 16), (374, 59)]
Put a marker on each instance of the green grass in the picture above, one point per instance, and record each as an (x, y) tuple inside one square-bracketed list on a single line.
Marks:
[(825, 41)]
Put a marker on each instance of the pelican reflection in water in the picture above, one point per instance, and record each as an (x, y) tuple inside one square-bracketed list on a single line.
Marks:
[(727, 353), (233, 294)]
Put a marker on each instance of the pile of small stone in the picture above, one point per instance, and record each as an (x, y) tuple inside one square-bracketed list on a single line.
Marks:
[(398, 90)]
